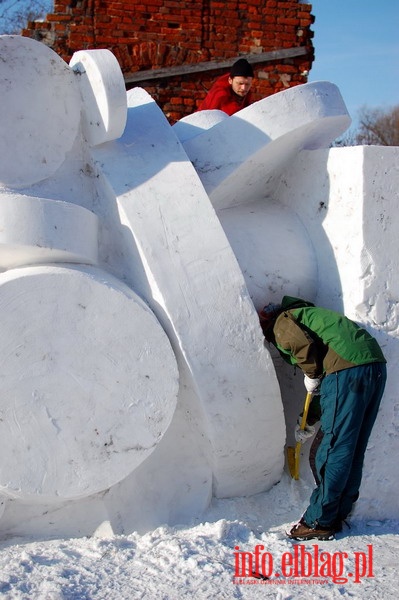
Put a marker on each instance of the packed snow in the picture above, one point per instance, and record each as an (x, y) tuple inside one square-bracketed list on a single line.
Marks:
[(198, 560)]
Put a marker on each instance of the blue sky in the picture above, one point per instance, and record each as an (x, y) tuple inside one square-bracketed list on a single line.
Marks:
[(357, 48)]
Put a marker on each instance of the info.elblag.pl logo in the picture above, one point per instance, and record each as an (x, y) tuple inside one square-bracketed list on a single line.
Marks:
[(302, 566)]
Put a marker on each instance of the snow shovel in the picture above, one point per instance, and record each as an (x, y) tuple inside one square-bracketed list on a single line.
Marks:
[(293, 454)]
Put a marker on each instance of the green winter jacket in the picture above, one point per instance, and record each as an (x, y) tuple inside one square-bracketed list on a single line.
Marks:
[(322, 341)]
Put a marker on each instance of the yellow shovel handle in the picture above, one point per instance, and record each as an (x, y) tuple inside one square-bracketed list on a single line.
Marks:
[(305, 410), (302, 427)]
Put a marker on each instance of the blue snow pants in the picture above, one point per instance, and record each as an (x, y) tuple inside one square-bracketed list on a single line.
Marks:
[(349, 402)]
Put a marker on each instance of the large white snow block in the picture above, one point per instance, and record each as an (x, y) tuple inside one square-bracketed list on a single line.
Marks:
[(39, 116), (183, 265), (88, 382), (348, 199)]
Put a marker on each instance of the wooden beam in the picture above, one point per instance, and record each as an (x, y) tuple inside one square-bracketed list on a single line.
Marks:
[(213, 65)]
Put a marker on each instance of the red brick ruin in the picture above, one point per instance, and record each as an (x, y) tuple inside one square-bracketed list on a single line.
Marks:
[(176, 49)]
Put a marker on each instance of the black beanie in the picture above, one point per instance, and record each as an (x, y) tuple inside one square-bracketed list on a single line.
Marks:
[(241, 68)]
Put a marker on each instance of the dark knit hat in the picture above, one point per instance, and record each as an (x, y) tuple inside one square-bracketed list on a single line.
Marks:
[(241, 68), (269, 311), (267, 318)]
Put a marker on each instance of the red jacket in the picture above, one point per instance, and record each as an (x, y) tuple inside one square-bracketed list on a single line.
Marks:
[(222, 97)]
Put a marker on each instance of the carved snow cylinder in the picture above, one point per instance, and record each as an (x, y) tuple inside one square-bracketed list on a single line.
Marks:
[(102, 88), (89, 382), (88, 375), (36, 230)]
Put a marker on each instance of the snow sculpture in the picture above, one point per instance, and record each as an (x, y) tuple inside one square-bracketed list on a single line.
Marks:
[(136, 383), (89, 379)]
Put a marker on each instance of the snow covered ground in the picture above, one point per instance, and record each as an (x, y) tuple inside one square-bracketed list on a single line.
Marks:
[(199, 560)]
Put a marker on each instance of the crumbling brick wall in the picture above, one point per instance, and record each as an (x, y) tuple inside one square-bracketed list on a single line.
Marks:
[(175, 49)]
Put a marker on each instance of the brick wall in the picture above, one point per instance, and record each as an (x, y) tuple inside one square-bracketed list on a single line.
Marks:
[(174, 39)]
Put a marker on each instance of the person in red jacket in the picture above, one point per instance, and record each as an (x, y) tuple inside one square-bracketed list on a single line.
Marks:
[(231, 92)]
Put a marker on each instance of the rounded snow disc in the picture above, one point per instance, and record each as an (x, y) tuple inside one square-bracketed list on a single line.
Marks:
[(40, 111), (88, 382)]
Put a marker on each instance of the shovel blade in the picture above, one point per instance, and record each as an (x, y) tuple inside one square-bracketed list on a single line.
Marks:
[(293, 461)]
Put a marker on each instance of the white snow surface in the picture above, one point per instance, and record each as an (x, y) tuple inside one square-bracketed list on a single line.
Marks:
[(198, 560)]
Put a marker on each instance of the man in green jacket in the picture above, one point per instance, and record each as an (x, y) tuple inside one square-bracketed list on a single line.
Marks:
[(346, 365)]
